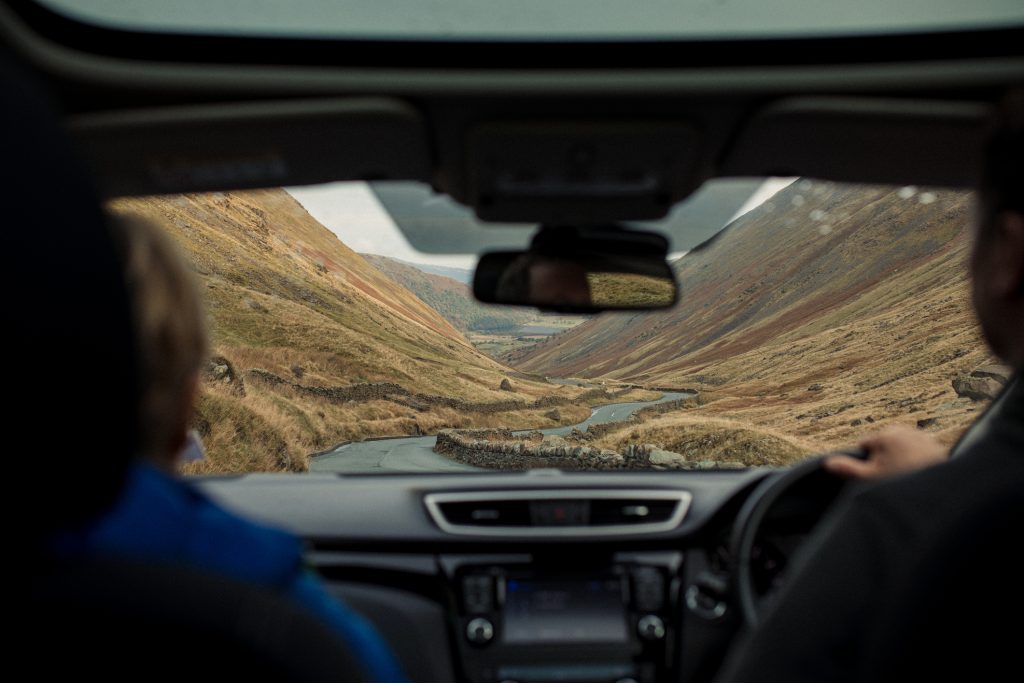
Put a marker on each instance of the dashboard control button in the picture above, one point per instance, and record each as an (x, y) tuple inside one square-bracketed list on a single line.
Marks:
[(706, 597), (478, 594), (648, 589), (479, 631), (651, 627)]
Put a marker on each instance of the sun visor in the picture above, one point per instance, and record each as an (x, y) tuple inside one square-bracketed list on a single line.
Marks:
[(250, 145), (865, 140), (435, 224), (557, 172)]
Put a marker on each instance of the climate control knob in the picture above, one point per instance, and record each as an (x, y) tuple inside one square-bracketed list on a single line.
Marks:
[(651, 627), (479, 631)]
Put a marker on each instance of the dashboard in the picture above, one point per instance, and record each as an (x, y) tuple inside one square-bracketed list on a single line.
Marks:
[(538, 576)]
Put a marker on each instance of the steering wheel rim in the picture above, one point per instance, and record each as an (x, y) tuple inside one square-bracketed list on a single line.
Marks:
[(749, 521)]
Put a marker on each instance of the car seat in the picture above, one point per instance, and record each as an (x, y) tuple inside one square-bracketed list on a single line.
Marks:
[(71, 434)]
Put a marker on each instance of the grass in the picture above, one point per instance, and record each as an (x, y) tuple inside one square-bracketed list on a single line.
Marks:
[(821, 329), (702, 439), (285, 296), (628, 290)]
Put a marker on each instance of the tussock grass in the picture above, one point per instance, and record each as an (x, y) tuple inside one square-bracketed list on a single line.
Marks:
[(703, 439), (286, 296), (629, 290), (823, 319)]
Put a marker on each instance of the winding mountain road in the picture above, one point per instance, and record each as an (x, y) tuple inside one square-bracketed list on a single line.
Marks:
[(416, 453)]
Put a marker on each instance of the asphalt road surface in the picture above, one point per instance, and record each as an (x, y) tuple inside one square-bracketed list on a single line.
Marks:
[(416, 453)]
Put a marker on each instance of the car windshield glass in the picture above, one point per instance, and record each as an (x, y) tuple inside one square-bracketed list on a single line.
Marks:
[(823, 311), (545, 19)]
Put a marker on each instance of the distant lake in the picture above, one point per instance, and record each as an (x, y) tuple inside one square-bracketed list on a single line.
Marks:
[(538, 329)]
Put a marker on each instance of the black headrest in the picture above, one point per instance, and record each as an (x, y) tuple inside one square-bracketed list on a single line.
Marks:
[(71, 382)]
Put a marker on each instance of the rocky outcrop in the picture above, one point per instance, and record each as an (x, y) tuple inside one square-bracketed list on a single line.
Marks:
[(369, 391), (499, 449), (684, 403), (648, 456), (389, 391), (554, 414), (220, 370), (1000, 373), (983, 384)]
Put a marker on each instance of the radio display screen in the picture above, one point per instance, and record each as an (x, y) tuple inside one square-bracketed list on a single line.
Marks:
[(540, 611)]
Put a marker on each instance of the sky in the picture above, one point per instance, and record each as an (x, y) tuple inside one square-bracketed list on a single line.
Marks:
[(768, 188), (351, 211)]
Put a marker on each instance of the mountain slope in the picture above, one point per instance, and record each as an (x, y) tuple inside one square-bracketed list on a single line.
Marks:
[(298, 320), (858, 292), (450, 298), (463, 275)]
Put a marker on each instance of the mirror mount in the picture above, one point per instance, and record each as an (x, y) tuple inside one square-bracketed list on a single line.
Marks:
[(581, 269)]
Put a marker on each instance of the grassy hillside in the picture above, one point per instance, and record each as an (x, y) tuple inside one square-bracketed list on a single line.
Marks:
[(450, 298), (314, 346), (826, 312)]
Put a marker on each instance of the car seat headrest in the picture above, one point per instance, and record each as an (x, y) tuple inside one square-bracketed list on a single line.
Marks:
[(72, 387)]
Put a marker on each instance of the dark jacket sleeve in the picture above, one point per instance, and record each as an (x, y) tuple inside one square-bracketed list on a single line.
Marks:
[(813, 628)]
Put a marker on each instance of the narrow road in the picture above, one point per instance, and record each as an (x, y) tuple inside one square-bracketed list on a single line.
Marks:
[(416, 453)]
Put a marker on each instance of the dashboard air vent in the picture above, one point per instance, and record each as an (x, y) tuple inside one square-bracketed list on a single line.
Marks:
[(553, 512)]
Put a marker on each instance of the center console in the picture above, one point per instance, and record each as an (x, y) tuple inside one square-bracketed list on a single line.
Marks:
[(591, 620)]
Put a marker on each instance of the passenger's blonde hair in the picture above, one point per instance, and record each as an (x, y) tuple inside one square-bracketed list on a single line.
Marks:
[(170, 329)]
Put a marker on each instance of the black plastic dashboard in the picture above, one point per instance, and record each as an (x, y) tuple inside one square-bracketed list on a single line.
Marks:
[(355, 511), (552, 602)]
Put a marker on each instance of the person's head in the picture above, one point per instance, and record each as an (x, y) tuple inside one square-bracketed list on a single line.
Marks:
[(559, 282), (544, 281), (170, 329), (997, 262)]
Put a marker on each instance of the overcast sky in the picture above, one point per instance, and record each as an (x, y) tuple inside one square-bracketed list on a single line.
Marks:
[(351, 211)]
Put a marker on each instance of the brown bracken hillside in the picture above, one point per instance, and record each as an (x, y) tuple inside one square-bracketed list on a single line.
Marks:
[(313, 346), (826, 312)]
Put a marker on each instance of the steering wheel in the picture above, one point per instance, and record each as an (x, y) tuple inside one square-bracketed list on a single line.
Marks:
[(808, 488)]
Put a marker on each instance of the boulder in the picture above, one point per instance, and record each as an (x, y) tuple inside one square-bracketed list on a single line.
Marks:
[(1000, 373), (977, 388), (663, 458), (554, 414), (219, 369), (505, 385)]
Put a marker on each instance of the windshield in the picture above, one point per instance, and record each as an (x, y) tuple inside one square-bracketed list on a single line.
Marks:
[(545, 19), (823, 311)]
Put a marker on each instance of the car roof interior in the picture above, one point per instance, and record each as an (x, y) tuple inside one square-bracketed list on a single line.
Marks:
[(526, 132)]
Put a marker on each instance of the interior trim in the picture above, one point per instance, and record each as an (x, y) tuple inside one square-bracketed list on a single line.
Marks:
[(499, 53), (220, 80), (433, 502)]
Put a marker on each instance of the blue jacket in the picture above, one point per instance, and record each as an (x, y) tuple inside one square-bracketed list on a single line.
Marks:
[(162, 518)]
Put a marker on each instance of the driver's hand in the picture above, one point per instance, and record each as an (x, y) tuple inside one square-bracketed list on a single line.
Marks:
[(895, 450)]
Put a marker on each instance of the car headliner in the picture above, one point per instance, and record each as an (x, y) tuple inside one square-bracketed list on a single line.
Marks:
[(171, 113)]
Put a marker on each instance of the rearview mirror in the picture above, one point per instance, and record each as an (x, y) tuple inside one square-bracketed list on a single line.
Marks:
[(581, 270)]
